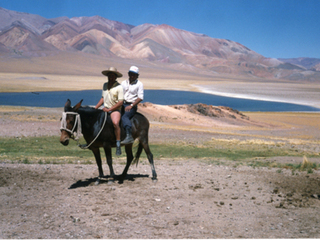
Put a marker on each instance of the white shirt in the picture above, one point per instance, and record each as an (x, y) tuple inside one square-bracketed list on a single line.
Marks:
[(132, 91)]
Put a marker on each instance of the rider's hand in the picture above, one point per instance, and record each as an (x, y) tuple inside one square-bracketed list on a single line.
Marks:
[(128, 108), (105, 109)]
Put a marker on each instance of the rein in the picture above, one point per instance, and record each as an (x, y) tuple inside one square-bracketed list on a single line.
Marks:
[(78, 120)]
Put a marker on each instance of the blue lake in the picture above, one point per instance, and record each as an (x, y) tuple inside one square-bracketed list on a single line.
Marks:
[(163, 97)]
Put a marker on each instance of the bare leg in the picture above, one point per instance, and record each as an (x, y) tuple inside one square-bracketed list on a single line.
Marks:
[(115, 117)]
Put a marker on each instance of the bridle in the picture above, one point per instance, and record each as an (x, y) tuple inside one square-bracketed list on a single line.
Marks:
[(78, 122)]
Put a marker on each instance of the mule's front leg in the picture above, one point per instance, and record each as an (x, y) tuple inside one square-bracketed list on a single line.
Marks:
[(108, 153), (96, 153), (129, 161)]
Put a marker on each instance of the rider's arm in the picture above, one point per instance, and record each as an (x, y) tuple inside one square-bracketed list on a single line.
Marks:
[(136, 102), (99, 103)]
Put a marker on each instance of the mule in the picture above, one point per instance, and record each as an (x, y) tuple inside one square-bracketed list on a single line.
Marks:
[(98, 131)]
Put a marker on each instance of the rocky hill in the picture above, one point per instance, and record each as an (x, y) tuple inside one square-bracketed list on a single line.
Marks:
[(28, 35)]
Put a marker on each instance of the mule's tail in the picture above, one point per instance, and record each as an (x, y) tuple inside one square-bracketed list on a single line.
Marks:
[(137, 156)]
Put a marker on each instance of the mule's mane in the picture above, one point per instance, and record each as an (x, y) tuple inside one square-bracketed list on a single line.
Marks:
[(89, 109)]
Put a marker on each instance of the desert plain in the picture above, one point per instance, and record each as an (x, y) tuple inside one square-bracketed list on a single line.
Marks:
[(193, 198)]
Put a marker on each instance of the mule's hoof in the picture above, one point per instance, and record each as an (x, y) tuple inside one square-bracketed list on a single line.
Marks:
[(110, 182), (154, 180), (97, 182)]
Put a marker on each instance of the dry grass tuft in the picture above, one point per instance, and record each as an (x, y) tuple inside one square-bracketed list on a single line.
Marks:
[(247, 142), (306, 164)]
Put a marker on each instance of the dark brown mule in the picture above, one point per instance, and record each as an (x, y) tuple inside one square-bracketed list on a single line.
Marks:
[(98, 132)]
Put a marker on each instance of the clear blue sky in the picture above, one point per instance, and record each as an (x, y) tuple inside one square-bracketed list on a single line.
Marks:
[(273, 28)]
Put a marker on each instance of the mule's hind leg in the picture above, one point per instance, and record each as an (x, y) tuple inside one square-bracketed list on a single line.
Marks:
[(146, 148), (97, 156)]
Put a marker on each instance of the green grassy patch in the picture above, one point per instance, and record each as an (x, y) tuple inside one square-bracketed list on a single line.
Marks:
[(44, 150)]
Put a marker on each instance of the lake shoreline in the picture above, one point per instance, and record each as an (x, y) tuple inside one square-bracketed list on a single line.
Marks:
[(161, 97), (255, 97)]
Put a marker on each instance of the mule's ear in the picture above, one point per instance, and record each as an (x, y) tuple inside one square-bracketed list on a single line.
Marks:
[(76, 107), (68, 104)]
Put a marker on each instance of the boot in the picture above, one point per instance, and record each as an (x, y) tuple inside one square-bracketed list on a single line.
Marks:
[(118, 150), (129, 139)]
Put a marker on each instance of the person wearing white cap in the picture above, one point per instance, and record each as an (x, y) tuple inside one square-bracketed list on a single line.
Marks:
[(112, 99), (133, 94)]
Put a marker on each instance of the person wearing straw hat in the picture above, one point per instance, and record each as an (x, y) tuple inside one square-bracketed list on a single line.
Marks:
[(112, 100), (133, 94)]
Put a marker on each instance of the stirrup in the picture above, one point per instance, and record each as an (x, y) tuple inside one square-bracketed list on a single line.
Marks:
[(128, 140)]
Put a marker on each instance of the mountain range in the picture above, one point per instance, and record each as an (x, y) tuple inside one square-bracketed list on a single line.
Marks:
[(24, 35)]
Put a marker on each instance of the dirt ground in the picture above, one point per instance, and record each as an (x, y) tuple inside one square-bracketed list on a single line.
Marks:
[(191, 199)]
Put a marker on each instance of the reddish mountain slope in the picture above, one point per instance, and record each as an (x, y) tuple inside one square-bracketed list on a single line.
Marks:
[(32, 35)]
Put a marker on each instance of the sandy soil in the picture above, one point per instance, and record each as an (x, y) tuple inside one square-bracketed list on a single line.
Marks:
[(192, 198)]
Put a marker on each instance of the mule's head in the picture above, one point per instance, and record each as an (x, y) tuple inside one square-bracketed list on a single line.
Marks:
[(68, 122)]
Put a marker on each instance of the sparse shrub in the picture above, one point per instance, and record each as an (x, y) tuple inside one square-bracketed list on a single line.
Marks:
[(306, 164), (25, 161), (310, 170)]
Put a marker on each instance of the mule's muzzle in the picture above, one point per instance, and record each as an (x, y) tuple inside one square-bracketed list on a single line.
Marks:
[(64, 138), (65, 142)]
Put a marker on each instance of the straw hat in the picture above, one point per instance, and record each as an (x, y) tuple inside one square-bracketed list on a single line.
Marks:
[(111, 70)]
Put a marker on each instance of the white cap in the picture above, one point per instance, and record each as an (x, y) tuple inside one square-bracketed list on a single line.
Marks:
[(134, 69)]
